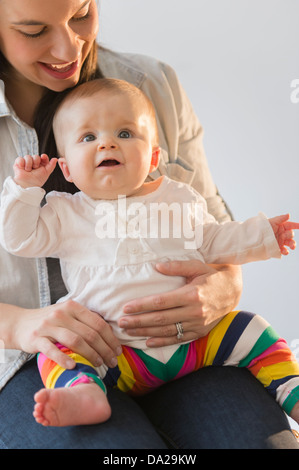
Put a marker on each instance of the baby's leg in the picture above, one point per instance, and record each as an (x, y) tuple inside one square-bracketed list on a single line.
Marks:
[(71, 397), (243, 339), (295, 412)]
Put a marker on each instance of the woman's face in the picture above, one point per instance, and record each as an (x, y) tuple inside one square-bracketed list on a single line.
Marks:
[(47, 41)]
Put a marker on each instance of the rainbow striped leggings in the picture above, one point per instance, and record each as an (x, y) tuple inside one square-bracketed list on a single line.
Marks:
[(240, 339)]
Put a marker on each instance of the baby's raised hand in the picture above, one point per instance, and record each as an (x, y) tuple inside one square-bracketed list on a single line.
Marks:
[(33, 170), (284, 232)]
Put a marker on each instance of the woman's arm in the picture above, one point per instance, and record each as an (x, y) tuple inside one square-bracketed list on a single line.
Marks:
[(37, 330), (209, 294)]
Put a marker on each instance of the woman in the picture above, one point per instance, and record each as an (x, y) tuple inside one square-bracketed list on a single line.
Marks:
[(46, 48)]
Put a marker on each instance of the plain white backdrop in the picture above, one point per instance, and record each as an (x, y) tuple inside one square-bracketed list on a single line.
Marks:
[(237, 60)]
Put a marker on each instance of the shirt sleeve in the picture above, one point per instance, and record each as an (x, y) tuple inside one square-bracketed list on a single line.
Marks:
[(26, 228), (239, 242)]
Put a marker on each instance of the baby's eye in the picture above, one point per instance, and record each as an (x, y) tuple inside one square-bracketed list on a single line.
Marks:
[(124, 135), (88, 138)]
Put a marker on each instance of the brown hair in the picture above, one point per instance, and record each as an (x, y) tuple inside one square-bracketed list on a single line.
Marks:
[(4, 67), (44, 118)]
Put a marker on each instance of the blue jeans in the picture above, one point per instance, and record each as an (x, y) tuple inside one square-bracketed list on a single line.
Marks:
[(213, 408)]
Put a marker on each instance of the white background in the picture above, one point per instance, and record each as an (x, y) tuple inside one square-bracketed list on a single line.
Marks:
[(236, 59)]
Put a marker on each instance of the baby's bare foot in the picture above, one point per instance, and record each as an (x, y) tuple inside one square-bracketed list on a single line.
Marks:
[(81, 404)]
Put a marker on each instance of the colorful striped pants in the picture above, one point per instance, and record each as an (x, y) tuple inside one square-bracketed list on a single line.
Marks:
[(240, 339)]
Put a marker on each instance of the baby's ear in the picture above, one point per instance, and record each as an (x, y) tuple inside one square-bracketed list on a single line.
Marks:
[(65, 169), (155, 158)]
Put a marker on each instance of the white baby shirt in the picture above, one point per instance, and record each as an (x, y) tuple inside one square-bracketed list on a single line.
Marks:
[(108, 249)]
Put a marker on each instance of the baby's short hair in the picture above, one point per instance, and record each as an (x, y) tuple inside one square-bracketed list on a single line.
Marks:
[(112, 85)]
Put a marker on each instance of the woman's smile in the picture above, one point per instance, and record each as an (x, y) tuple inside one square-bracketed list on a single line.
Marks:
[(60, 71)]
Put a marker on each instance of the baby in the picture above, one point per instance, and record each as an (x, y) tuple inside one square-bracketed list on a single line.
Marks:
[(109, 237)]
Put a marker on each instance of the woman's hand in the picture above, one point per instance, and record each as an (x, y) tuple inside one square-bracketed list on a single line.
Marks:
[(70, 324), (209, 294)]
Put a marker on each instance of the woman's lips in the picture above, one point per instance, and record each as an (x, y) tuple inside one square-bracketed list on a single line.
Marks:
[(60, 71)]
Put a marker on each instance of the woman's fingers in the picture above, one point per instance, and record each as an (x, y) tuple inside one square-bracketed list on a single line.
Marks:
[(209, 293), (158, 341), (190, 270), (79, 329), (152, 303), (160, 325), (48, 348), (97, 324), (163, 329), (165, 335), (165, 332), (186, 295), (98, 348)]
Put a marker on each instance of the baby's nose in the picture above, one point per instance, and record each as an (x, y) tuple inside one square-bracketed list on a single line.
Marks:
[(106, 146)]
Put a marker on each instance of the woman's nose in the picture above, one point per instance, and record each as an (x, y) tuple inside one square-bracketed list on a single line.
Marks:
[(67, 46)]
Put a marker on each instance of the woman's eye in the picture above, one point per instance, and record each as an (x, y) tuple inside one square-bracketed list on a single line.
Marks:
[(83, 15), (33, 35), (82, 18), (88, 138), (124, 135)]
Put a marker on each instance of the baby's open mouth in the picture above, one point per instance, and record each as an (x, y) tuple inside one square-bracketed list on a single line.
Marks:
[(109, 163)]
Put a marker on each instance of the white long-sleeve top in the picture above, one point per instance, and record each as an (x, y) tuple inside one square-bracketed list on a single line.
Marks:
[(108, 249)]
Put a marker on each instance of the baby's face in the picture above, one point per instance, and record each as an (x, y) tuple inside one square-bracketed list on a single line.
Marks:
[(106, 141)]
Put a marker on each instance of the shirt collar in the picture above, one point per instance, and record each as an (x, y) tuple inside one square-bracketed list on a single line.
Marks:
[(4, 108)]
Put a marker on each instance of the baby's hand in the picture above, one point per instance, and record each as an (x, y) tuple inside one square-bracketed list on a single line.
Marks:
[(283, 231), (33, 170)]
